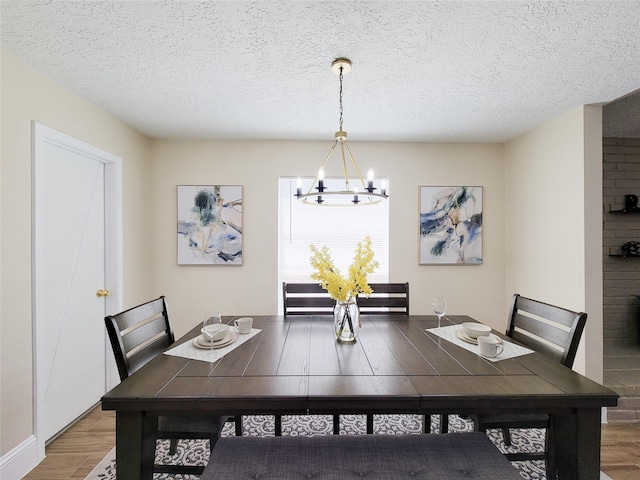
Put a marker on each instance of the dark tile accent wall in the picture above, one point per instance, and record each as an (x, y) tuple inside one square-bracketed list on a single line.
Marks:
[(621, 275)]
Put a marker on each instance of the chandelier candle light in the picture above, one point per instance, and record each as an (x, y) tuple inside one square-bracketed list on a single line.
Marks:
[(344, 290), (349, 196)]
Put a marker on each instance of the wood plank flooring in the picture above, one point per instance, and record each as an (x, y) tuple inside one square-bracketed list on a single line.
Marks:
[(74, 453), (78, 450), (620, 451)]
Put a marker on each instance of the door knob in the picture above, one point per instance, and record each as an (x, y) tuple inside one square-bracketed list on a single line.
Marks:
[(102, 293)]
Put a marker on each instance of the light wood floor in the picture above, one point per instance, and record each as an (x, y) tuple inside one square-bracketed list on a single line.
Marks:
[(74, 453), (78, 450), (620, 451)]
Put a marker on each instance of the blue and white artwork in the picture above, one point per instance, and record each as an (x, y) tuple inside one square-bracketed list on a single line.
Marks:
[(450, 225), (210, 225)]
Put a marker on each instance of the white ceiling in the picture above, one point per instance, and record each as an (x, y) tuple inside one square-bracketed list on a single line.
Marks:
[(422, 71)]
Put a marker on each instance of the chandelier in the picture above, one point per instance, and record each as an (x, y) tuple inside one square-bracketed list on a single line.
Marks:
[(363, 192)]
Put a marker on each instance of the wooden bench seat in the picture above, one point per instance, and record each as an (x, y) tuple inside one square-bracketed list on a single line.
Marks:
[(453, 456)]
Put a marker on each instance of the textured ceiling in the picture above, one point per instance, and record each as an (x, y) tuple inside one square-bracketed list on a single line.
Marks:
[(621, 118), (422, 71)]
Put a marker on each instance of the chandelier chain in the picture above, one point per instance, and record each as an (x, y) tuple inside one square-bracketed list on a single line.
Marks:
[(341, 68)]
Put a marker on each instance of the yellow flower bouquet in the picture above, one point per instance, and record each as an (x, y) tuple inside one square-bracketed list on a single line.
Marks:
[(345, 289), (339, 287)]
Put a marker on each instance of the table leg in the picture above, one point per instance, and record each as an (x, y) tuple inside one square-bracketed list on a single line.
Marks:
[(444, 423), (135, 445), (278, 425), (577, 444), (369, 424)]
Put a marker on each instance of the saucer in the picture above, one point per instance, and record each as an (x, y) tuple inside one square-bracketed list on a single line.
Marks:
[(488, 357), (201, 342), (466, 338)]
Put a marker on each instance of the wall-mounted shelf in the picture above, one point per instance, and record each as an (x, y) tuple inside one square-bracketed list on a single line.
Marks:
[(630, 205), (628, 250), (625, 212)]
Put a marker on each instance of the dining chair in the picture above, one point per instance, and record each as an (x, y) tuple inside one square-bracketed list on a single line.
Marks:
[(137, 336), (550, 330), (312, 299)]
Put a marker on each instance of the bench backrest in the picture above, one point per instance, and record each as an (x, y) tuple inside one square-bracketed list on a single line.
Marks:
[(311, 299)]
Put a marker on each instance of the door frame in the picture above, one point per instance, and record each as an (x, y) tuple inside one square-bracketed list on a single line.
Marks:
[(42, 135)]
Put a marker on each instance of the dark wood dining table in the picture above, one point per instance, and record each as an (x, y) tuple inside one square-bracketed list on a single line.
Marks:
[(295, 366)]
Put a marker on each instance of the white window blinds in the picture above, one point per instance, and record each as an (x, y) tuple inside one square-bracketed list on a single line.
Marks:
[(338, 228)]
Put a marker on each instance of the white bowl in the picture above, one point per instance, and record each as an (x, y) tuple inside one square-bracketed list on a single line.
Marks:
[(475, 330), (215, 332)]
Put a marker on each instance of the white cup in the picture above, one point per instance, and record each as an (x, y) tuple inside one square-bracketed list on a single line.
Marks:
[(489, 346), (244, 324)]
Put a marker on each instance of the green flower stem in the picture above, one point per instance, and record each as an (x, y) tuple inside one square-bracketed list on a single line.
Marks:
[(342, 324), (346, 317), (348, 314)]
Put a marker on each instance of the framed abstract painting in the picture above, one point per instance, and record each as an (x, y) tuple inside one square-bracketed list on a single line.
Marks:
[(210, 225), (450, 225)]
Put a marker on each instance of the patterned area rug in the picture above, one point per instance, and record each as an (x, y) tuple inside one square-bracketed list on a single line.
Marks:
[(196, 452)]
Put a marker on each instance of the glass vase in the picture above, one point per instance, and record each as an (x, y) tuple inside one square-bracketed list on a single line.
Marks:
[(346, 319)]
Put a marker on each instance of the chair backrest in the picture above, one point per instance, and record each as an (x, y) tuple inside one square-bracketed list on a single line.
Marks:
[(548, 329), (311, 299), (139, 334)]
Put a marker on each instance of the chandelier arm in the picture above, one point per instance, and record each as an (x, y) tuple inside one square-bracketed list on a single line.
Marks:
[(344, 167), (315, 181), (329, 154), (355, 165)]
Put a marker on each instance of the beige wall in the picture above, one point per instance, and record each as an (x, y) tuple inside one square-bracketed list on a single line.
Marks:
[(551, 226), (253, 288), (28, 96)]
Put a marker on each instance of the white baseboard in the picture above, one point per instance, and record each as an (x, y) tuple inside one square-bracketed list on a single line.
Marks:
[(20, 460)]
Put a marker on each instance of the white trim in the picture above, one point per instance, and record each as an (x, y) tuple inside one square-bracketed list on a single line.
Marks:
[(113, 244), (41, 135), (19, 461)]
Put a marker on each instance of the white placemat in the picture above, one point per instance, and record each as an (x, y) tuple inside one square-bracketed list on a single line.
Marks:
[(449, 333), (188, 350)]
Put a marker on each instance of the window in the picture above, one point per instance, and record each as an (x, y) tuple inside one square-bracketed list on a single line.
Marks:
[(338, 228)]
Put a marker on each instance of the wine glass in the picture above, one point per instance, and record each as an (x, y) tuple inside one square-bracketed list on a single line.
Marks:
[(439, 307), (210, 326)]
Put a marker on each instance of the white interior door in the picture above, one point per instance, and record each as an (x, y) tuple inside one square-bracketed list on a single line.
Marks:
[(70, 267)]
